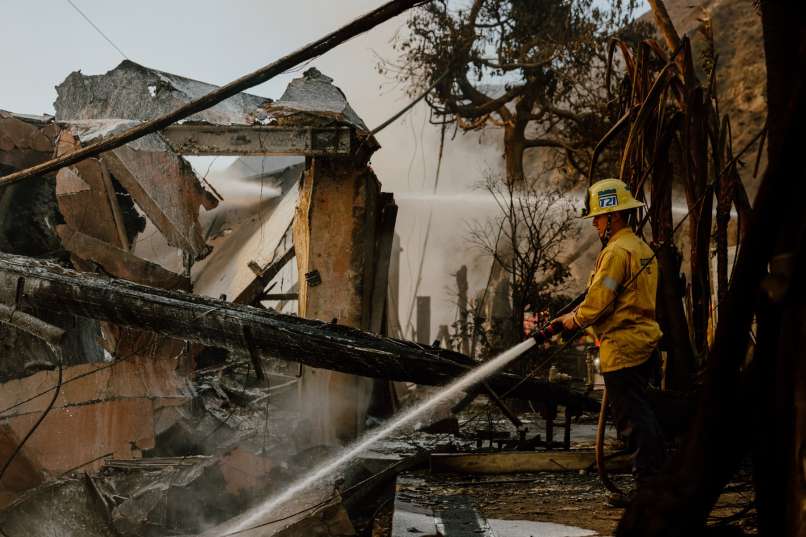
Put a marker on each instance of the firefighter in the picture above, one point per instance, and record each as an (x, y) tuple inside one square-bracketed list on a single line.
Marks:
[(620, 307)]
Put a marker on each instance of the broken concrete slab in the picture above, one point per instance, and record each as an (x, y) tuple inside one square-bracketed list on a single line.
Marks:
[(132, 91)]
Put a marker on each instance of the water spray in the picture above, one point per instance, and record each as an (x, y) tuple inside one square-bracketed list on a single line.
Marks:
[(254, 517)]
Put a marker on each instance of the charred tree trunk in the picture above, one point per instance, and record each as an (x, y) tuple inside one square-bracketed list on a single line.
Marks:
[(700, 203), (235, 326), (769, 393), (514, 147), (778, 459), (681, 364), (461, 286)]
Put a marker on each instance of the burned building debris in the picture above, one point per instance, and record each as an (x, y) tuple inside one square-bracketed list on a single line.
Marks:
[(224, 356), (156, 283)]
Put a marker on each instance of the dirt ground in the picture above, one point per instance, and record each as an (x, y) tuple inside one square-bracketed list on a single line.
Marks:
[(565, 498)]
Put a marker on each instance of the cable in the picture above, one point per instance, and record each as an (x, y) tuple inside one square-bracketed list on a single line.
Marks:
[(405, 109), (86, 18), (41, 417), (68, 381)]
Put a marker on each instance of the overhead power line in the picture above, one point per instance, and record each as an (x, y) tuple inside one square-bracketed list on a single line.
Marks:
[(86, 18)]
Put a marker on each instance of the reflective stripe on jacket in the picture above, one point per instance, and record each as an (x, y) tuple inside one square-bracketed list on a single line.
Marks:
[(626, 327)]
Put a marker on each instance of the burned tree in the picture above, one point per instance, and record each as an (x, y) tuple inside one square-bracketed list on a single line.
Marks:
[(767, 393), (531, 68), (675, 143), (532, 226)]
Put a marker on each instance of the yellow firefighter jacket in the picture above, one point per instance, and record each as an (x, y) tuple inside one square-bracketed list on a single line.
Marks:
[(625, 326)]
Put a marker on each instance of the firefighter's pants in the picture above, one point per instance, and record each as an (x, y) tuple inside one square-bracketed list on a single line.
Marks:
[(635, 420)]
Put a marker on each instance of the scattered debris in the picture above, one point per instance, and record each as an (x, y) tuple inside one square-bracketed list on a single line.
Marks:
[(175, 356)]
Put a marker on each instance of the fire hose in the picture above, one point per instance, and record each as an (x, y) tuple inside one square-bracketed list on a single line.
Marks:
[(544, 334), (599, 450)]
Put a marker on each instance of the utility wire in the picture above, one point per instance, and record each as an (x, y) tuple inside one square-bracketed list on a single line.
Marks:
[(406, 108), (41, 417), (68, 381), (102, 34)]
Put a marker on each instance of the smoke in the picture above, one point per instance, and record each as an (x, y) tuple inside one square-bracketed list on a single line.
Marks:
[(326, 469)]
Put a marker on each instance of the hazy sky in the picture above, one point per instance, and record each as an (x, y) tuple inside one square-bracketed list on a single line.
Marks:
[(44, 40)]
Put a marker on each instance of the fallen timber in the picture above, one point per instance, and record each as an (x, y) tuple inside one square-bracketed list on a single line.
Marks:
[(32, 283)]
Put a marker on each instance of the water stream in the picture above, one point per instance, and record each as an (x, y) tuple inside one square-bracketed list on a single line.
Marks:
[(259, 514)]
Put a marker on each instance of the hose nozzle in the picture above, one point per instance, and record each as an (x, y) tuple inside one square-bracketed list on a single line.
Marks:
[(547, 332)]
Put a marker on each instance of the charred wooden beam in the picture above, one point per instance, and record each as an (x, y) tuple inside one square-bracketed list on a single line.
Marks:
[(195, 139), (221, 324), (254, 291)]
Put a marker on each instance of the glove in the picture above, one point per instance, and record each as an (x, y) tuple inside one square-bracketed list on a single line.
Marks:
[(544, 334)]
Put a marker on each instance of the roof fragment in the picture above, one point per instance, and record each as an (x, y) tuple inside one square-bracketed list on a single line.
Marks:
[(133, 91)]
